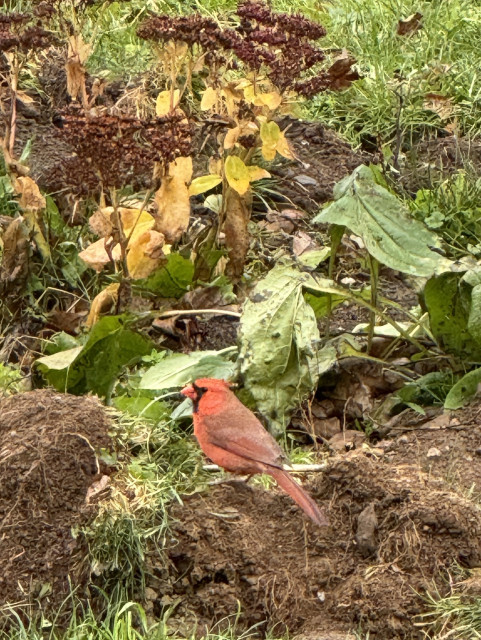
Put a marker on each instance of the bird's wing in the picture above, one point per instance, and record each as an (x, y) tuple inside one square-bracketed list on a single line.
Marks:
[(238, 431)]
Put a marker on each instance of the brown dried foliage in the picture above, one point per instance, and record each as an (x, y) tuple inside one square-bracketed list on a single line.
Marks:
[(278, 42)]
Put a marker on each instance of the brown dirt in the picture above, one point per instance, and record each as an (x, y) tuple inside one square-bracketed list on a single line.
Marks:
[(47, 464), (324, 160), (394, 531)]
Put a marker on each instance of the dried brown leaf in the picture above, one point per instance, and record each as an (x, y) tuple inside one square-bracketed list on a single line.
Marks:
[(410, 25)]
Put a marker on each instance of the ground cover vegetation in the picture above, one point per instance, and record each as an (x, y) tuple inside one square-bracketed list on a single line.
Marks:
[(283, 196)]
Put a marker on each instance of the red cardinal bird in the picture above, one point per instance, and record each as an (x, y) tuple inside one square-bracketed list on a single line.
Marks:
[(232, 437)]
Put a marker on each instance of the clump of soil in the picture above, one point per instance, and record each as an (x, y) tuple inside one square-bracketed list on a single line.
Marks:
[(47, 464), (394, 530)]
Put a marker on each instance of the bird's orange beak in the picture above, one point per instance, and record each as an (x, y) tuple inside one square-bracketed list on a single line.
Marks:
[(189, 392)]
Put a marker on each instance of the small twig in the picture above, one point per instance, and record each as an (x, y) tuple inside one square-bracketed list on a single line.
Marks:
[(193, 312), (298, 468)]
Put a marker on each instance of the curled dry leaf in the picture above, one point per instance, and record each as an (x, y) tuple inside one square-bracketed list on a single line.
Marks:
[(134, 224), (103, 303), (30, 197), (146, 254), (173, 200), (341, 74)]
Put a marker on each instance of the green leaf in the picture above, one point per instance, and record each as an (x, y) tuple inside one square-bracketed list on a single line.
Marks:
[(448, 301), (144, 406), (110, 346), (172, 280), (279, 344), (463, 391), (390, 234), (180, 369)]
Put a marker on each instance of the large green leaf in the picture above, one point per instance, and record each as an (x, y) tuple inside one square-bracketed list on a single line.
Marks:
[(448, 299), (390, 234), (279, 344), (172, 280), (179, 369), (95, 365), (464, 390)]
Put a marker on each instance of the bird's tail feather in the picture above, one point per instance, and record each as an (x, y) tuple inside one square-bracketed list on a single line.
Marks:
[(297, 493)]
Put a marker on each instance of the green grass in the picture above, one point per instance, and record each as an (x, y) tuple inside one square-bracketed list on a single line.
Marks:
[(443, 57)]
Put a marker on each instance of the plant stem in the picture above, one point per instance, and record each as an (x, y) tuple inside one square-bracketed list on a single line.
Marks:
[(374, 269)]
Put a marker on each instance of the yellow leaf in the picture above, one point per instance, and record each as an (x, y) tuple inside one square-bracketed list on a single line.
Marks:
[(270, 134), (166, 102), (237, 174), (209, 99), (271, 100), (252, 97), (283, 147), (103, 303), (103, 223), (145, 254), (173, 200), (257, 173), (232, 98), (204, 183)]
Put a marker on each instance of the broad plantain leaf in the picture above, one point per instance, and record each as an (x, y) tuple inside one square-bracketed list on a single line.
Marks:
[(95, 365), (390, 234), (279, 344), (179, 369), (464, 390)]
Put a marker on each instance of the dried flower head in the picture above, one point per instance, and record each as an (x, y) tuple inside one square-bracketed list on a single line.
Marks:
[(279, 43), (115, 150), (25, 32)]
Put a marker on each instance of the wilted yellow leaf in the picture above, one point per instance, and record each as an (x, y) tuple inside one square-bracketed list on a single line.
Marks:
[(270, 134), (231, 137), (173, 200), (283, 147), (30, 197), (166, 102), (257, 173), (204, 183), (102, 222), (237, 174), (209, 99), (77, 54), (215, 165), (103, 303), (252, 97), (145, 254), (272, 100)]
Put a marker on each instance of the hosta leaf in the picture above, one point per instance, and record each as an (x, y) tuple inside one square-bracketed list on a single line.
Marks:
[(380, 219)]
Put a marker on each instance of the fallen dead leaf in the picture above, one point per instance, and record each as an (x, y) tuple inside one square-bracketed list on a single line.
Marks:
[(410, 25), (146, 254)]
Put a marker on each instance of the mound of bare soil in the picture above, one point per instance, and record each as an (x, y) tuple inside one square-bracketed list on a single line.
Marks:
[(394, 531), (47, 464)]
